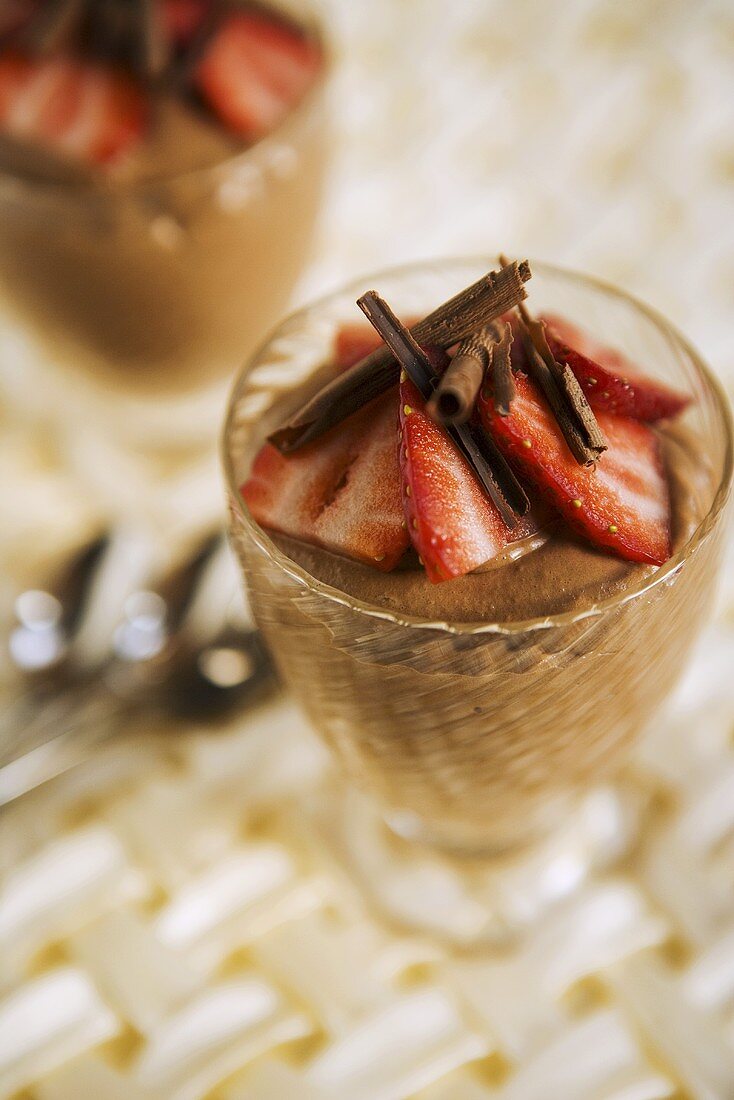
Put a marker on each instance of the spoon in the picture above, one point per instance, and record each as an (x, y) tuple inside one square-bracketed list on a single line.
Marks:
[(109, 642)]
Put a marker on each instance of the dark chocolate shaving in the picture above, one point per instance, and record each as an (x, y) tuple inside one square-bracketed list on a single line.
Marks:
[(456, 394), (575, 418), (180, 71), (483, 301), (572, 433), (129, 32), (564, 395), (501, 366), (154, 42), (55, 26), (495, 476), (584, 412)]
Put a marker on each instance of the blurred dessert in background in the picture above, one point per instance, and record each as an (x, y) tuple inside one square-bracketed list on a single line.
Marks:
[(160, 171)]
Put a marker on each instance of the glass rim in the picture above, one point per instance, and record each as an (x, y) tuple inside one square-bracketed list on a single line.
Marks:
[(111, 189), (566, 618)]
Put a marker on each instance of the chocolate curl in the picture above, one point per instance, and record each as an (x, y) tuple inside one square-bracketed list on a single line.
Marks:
[(501, 366), (129, 30), (478, 304), (457, 391), (182, 70), (155, 47), (56, 25), (573, 413), (567, 400), (495, 476)]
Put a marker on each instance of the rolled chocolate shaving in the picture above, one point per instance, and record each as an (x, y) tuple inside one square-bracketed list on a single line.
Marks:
[(181, 71), (155, 45), (112, 32), (131, 31), (458, 388), (496, 477), (56, 25), (582, 408), (501, 366), (556, 398), (569, 405), (566, 398), (483, 301)]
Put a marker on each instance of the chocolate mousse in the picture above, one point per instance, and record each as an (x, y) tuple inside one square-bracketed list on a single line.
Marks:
[(410, 534), (157, 194), (531, 473), (546, 574)]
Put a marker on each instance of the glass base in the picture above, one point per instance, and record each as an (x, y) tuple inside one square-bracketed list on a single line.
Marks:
[(469, 898), (42, 388)]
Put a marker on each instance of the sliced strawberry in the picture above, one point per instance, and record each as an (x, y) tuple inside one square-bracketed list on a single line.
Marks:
[(79, 110), (341, 492), (354, 341), (607, 377), (518, 357), (453, 525), (622, 505), (256, 69), (14, 75), (183, 18)]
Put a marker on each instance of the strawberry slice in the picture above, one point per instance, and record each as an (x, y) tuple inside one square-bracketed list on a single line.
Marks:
[(622, 505), (607, 377), (341, 492), (183, 18), (354, 341), (255, 69), (77, 109), (453, 525)]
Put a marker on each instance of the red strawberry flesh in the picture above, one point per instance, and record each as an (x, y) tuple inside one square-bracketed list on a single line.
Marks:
[(453, 525), (77, 109), (622, 505), (255, 69), (182, 19), (341, 492), (354, 341), (610, 381)]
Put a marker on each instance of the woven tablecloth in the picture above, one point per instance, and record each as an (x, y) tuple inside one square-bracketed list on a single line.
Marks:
[(171, 925)]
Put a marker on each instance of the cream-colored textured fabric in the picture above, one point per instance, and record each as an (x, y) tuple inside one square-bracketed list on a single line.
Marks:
[(171, 925)]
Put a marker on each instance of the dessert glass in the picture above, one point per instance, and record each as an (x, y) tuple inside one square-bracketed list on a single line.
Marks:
[(149, 293), (478, 738)]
